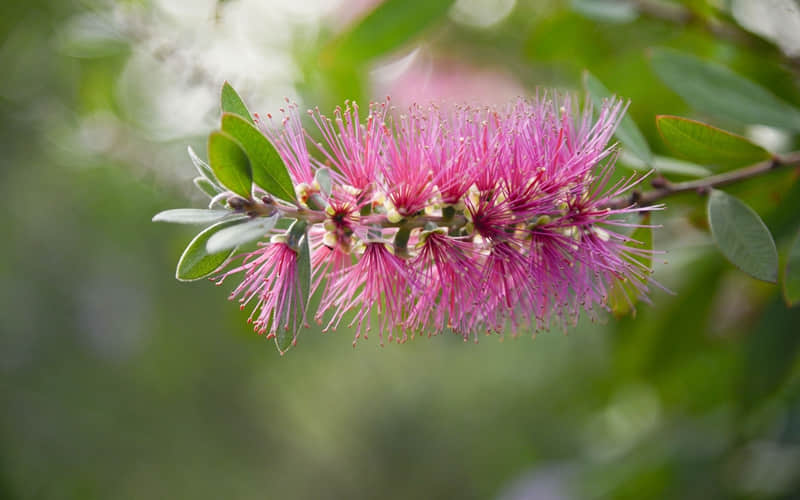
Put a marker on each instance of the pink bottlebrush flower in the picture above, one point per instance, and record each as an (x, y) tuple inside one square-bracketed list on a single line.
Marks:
[(379, 281), (474, 219), (271, 282)]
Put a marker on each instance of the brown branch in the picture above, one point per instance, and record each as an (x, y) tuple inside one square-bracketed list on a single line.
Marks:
[(665, 188)]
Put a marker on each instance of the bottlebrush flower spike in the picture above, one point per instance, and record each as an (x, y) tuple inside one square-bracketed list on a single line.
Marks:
[(424, 220)]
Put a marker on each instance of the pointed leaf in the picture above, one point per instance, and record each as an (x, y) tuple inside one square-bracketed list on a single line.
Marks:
[(206, 186), (707, 145), (230, 102), (791, 274), (240, 234), (742, 237), (624, 295), (714, 89), (269, 171), (230, 163), (191, 216), (196, 263), (387, 27), (627, 132)]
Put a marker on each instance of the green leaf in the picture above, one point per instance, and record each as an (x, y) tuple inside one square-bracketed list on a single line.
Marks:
[(196, 263), (614, 11), (389, 26), (240, 234), (627, 132), (268, 168), (707, 145), (714, 89), (206, 186), (791, 274), (191, 216), (624, 295), (323, 178), (284, 339), (230, 102), (742, 237), (230, 163)]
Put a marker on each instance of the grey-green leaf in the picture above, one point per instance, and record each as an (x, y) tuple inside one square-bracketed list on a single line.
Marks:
[(230, 102), (284, 339), (206, 186), (665, 165), (202, 167), (191, 216), (627, 132), (269, 170), (323, 178), (230, 163), (742, 237), (240, 234), (196, 263), (791, 274), (715, 89)]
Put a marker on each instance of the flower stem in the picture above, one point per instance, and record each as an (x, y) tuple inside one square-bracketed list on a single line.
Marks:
[(665, 188)]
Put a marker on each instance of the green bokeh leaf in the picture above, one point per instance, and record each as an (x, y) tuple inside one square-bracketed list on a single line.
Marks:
[(714, 89), (627, 132), (707, 145), (390, 25), (614, 11), (742, 237), (791, 274), (230, 102), (191, 216), (623, 295), (230, 163), (196, 263), (269, 171), (240, 234)]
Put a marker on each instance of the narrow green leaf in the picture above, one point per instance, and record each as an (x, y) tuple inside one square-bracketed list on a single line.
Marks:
[(614, 11), (191, 216), (791, 274), (715, 89), (269, 171), (196, 263), (240, 234), (284, 339), (206, 186), (323, 178), (230, 163), (742, 237), (624, 295), (627, 132), (389, 26), (707, 145), (230, 102)]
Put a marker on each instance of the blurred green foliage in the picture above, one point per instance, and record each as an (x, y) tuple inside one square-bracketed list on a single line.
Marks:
[(116, 381)]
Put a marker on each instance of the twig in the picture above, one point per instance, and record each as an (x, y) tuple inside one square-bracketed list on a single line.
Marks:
[(665, 188)]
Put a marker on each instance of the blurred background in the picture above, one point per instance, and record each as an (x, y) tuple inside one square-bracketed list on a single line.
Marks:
[(116, 381)]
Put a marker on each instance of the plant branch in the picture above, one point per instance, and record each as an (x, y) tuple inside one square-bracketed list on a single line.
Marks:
[(665, 188)]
